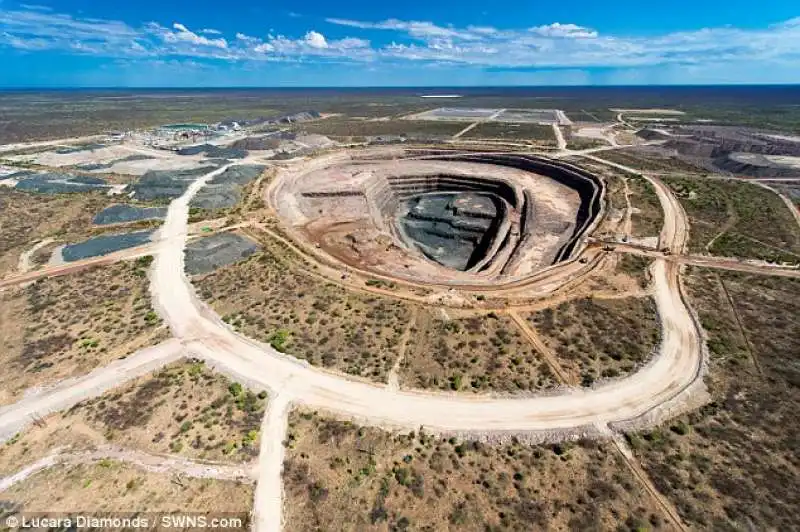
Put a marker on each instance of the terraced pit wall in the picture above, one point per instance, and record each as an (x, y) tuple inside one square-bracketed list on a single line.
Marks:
[(400, 188), (588, 186)]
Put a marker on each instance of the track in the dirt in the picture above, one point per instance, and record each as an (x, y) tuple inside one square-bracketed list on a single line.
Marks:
[(660, 389), (671, 373), (670, 376)]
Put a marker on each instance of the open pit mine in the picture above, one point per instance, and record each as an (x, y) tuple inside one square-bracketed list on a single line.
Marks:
[(441, 217)]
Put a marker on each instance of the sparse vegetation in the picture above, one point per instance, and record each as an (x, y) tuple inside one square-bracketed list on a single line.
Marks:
[(345, 128), (269, 297), (184, 409), (479, 353), (119, 488), (733, 464), (649, 161), (738, 219), (67, 326), (636, 266), (339, 476), (507, 131), (597, 338), (26, 218), (647, 217)]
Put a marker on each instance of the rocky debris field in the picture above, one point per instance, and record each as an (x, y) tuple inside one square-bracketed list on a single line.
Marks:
[(211, 253)]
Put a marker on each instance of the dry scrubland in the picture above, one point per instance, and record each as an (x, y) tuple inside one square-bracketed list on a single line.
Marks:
[(650, 162), (615, 202), (596, 339), (584, 143), (733, 465), (183, 409), (268, 297), (499, 130), (637, 267), (339, 476), (627, 275), (478, 353), (67, 326), (647, 217), (110, 486), (737, 219), (26, 218), (358, 129)]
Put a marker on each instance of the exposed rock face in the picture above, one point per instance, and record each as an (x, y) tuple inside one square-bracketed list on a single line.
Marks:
[(208, 254), (453, 229), (454, 217)]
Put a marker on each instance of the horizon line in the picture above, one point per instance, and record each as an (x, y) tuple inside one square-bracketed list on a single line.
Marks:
[(426, 87)]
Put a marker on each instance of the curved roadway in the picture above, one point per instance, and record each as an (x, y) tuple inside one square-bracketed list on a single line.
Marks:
[(673, 375)]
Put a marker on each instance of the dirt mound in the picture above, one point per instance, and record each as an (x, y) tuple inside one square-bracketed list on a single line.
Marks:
[(214, 152), (208, 254), (117, 214), (225, 190), (169, 184), (103, 245)]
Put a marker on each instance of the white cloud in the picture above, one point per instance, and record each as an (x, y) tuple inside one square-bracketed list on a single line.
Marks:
[(316, 40), (566, 45), (558, 45), (35, 7), (183, 34), (565, 31)]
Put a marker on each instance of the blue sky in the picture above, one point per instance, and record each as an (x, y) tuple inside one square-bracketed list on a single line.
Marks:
[(148, 43)]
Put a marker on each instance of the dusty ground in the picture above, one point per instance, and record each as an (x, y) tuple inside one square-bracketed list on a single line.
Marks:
[(26, 218), (650, 161), (646, 216), (266, 297), (111, 486), (733, 464), (67, 326), (183, 410), (738, 219), (595, 339), (339, 476), (478, 353)]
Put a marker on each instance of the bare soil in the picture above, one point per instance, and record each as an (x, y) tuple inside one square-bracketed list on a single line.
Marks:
[(114, 487), (339, 476), (183, 409), (66, 326), (600, 338), (478, 353), (269, 298), (733, 464), (26, 218)]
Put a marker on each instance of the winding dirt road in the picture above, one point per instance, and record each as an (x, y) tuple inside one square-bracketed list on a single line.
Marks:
[(667, 385), (153, 463), (669, 376)]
